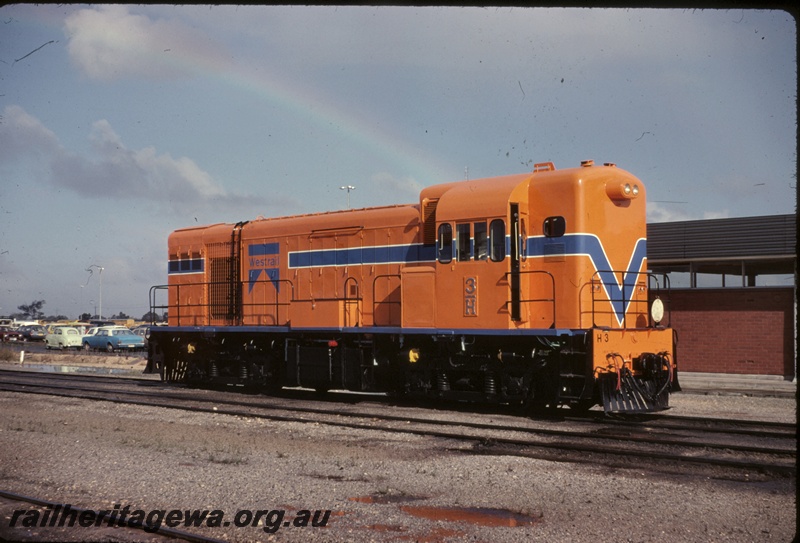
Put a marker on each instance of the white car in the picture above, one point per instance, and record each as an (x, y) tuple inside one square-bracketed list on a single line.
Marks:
[(63, 337)]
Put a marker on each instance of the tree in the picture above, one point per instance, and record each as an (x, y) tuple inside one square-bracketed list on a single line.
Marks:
[(32, 311), (120, 315), (151, 317), (55, 318)]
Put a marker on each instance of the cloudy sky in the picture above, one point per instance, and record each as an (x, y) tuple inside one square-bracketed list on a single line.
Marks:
[(119, 124)]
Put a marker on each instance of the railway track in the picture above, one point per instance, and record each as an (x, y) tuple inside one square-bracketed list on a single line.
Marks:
[(662, 443), (755, 428)]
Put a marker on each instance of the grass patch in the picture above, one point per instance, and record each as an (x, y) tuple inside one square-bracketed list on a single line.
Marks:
[(8, 354)]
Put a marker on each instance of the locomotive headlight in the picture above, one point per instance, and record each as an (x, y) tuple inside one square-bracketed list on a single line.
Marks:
[(621, 191), (657, 310)]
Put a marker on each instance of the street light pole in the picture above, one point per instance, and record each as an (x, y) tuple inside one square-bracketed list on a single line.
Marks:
[(89, 269), (101, 293), (348, 188)]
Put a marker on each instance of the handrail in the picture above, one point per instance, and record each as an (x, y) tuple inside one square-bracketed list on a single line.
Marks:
[(624, 293), (658, 290), (207, 317), (552, 300), (278, 303), (348, 301), (153, 306)]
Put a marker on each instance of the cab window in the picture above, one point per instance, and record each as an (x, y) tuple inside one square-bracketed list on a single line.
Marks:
[(554, 227), (444, 247), (497, 240), (462, 236), (481, 241)]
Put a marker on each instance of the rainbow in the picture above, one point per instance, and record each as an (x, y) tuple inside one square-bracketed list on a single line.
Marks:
[(303, 103), (409, 160)]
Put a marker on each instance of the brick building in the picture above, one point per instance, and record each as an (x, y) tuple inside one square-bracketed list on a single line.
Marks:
[(733, 297)]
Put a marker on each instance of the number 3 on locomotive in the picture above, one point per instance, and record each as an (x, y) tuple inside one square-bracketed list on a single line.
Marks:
[(470, 297)]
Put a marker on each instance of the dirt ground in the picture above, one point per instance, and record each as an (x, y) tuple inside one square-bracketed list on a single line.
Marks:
[(132, 361), (378, 486)]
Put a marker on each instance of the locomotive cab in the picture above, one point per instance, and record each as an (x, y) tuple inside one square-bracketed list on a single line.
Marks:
[(554, 263)]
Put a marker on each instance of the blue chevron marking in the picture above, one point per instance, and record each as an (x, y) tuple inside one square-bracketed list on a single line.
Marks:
[(591, 246)]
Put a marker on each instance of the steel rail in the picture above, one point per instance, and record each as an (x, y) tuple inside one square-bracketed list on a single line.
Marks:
[(649, 439), (482, 438)]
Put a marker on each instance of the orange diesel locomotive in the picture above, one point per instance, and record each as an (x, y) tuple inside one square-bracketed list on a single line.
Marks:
[(529, 288)]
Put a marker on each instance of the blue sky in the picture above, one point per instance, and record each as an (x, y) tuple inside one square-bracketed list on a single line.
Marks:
[(119, 124)]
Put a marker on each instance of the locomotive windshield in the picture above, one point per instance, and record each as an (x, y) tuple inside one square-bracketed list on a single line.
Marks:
[(445, 246), (498, 240)]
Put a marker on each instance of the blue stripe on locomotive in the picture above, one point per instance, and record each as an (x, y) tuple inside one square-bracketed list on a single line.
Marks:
[(379, 254), (536, 247)]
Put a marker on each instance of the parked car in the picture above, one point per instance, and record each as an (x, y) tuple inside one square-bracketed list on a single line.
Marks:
[(100, 323), (33, 332), (91, 331), (94, 329), (82, 327), (9, 334), (143, 331), (112, 339), (63, 337)]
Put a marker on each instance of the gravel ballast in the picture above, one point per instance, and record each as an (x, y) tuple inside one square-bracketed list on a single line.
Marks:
[(378, 486)]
